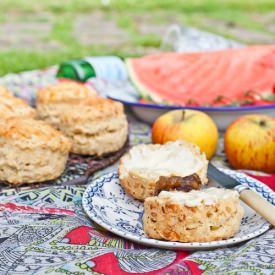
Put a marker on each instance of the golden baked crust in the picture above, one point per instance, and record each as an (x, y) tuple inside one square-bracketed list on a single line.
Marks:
[(168, 219), (101, 143), (138, 187), (51, 112), (96, 126), (25, 165), (30, 133), (31, 151), (11, 106), (52, 101), (139, 177), (64, 91), (5, 92), (96, 108)]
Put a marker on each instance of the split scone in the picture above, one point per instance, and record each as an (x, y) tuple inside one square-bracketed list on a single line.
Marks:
[(142, 170), (52, 100), (197, 216), (31, 151), (11, 106), (96, 126)]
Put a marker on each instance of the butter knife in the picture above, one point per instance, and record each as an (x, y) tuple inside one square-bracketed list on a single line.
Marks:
[(251, 198)]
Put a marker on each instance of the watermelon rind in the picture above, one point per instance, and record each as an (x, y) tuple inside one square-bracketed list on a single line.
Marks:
[(144, 91)]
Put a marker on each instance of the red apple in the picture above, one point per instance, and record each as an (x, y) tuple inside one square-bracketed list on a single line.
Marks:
[(189, 125), (249, 143)]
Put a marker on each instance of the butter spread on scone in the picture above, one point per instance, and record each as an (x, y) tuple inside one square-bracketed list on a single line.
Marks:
[(197, 216), (194, 198), (140, 169), (31, 151)]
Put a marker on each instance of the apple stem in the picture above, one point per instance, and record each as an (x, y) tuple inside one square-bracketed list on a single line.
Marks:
[(262, 123), (183, 115)]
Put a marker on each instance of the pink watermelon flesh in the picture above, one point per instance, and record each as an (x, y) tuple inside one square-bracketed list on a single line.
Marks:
[(212, 78)]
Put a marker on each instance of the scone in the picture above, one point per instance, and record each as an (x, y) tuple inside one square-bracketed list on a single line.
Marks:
[(96, 126), (31, 151), (52, 101), (11, 106), (4, 91), (197, 216), (140, 170)]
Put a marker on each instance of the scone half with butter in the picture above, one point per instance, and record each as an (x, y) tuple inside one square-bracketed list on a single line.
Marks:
[(53, 100), (196, 216), (146, 168), (31, 151)]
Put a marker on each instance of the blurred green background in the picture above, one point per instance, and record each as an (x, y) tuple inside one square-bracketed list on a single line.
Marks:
[(36, 34)]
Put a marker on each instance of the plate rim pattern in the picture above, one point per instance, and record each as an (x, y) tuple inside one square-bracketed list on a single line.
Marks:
[(251, 183)]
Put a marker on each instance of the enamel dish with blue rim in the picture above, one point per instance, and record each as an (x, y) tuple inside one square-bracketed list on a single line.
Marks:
[(125, 92)]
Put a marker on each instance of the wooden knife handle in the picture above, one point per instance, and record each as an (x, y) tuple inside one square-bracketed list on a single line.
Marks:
[(259, 204)]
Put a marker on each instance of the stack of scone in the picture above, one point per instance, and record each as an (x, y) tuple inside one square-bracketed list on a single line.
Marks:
[(34, 151), (158, 174), (30, 150), (95, 125)]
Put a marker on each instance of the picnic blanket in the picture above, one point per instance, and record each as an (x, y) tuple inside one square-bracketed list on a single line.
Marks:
[(45, 230)]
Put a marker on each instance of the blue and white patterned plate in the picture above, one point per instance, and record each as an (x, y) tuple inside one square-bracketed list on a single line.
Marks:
[(106, 203)]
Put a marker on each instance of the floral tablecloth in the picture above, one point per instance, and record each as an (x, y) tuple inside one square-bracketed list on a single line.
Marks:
[(45, 230)]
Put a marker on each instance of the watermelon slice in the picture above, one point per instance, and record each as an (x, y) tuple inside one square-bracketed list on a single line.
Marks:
[(242, 76)]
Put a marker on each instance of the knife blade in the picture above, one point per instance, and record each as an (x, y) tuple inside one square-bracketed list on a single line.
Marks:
[(220, 177), (251, 198)]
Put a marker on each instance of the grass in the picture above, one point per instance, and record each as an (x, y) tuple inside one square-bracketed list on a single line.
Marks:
[(126, 13), (133, 5)]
